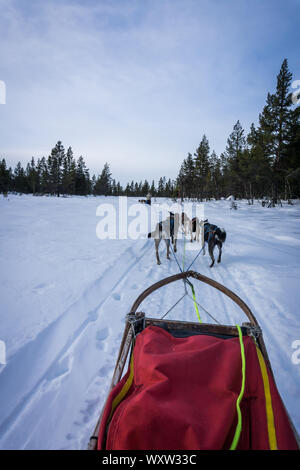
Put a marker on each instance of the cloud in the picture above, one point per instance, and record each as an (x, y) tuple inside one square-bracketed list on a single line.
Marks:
[(134, 83)]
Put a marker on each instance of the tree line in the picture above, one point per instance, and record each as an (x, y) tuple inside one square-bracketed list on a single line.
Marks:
[(265, 162), (62, 174)]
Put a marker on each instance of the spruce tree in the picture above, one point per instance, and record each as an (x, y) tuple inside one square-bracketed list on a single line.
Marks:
[(152, 189), (82, 181), (44, 176), (32, 176), (5, 177), (104, 181), (215, 175), (275, 125), (201, 168), (145, 188), (69, 173), (186, 177), (55, 168), (256, 165), (236, 144)]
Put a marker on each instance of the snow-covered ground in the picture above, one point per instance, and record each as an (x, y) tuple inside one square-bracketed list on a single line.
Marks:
[(64, 295)]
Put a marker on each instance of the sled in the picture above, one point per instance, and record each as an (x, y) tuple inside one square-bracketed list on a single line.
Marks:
[(193, 386)]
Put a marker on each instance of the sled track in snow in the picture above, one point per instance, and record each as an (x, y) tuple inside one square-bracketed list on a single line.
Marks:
[(59, 331)]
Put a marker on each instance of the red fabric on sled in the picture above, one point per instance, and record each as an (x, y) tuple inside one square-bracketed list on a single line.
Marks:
[(183, 397)]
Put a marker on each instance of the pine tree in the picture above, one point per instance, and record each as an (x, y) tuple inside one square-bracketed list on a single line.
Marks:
[(153, 189), (275, 125), (103, 183), (32, 176), (82, 181), (201, 165), (145, 188), (120, 190), (127, 190), (93, 184), (132, 188), (5, 177), (215, 175), (140, 189), (68, 182), (281, 112), (186, 177), (161, 186), (169, 188), (236, 144), (255, 165), (44, 176), (55, 169), (20, 180)]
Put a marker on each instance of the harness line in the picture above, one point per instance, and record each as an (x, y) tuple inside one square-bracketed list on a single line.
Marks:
[(211, 316), (187, 281), (238, 429)]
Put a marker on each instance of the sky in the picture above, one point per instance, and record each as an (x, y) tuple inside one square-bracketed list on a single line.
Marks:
[(137, 83)]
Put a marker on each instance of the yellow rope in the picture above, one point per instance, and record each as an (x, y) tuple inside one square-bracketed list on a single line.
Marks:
[(195, 303), (269, 408), (238, 429)]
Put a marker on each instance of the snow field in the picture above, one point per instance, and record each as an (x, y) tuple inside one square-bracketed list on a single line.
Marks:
[(64, 295)]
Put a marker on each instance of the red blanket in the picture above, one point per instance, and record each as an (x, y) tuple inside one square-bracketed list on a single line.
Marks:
[(181, 394)]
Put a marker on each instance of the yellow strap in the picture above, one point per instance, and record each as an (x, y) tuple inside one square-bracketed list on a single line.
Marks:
[(123, 392), (238, 429), (269, 408), (195, 303), (192, 287)]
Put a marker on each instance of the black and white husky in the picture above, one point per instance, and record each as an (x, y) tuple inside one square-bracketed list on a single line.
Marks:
[(166, 230), (213, 236)]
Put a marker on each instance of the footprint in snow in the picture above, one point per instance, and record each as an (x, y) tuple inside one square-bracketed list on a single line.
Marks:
[(93, 315), (104, 371), (101, 336), (60, 369), (41, 288), (116, 296)]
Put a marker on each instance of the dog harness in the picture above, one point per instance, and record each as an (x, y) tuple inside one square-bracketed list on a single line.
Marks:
[(209, 230)]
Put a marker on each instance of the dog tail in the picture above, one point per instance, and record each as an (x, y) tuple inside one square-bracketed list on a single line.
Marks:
[(153, 234), (221, 235), (156, 233)]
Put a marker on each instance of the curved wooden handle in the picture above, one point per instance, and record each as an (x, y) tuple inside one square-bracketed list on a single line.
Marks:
[(199, 277)]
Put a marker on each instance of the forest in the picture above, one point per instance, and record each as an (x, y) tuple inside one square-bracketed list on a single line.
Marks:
[(265, 163)]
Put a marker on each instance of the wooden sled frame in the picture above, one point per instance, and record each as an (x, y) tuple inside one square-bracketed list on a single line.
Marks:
[(137, 321)]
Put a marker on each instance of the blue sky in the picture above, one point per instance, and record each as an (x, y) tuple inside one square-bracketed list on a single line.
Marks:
[(138, 82)]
